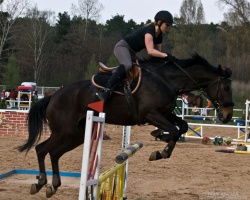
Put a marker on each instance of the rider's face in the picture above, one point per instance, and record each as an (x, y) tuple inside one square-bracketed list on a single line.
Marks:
[(165, 27)]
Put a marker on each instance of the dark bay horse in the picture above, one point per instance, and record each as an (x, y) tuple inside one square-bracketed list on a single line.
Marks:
[(162, 82)]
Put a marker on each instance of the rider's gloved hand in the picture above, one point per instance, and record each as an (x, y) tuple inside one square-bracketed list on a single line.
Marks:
[(170, 58)]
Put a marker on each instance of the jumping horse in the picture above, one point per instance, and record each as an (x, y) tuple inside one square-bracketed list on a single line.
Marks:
[(155, 99)]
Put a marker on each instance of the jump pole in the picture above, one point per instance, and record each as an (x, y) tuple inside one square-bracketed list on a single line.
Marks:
[(112, 182), (122, 157), (91, 160), (247, 120), (126, 144)]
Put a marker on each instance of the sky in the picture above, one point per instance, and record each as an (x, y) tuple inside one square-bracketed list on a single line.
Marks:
[(138, 10)]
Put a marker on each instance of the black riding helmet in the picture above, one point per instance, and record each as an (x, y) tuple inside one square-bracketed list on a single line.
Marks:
[(165, 16)]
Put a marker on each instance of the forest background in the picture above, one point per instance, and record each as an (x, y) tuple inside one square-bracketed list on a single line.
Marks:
[(54, 49)]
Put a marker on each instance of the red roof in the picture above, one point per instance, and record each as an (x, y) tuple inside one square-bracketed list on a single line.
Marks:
[(20, 88)]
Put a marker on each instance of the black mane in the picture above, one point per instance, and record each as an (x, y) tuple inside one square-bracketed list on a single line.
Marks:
[(195, 59)]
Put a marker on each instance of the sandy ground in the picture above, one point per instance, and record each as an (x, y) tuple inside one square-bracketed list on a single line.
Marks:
[(194, 171)]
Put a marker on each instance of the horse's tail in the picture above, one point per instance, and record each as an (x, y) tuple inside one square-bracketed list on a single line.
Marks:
[(36, 118)]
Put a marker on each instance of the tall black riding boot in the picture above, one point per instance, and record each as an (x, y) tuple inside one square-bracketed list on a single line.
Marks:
[(118, 75)]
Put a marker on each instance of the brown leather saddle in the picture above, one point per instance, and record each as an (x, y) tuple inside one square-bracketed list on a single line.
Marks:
[(126, 87), (100, 79)]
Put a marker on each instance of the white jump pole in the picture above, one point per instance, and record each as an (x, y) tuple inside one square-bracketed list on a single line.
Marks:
[(125, 145), (84, 182), (247, 120)]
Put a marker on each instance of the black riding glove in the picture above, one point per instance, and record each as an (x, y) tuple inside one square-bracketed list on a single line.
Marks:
[(170, 58)]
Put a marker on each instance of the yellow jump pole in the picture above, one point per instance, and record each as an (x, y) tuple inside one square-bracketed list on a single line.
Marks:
[(116, 172), (190, 132), (109, 176), (240, 137), (109, 172)]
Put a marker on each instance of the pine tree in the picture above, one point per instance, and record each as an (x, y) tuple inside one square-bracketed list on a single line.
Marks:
[(11, 75), (92, 68), (112, 61)]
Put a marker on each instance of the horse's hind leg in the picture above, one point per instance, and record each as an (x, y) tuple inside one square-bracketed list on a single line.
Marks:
[(42, 178), (69, 143)]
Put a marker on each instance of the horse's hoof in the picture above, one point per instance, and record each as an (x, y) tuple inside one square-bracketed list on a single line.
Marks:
[(165, 154), (50, 191), (155, 156), (156, 132), (33, 189)]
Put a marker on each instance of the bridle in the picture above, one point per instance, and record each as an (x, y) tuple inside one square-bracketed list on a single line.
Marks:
[(202, 91), (215, 102)]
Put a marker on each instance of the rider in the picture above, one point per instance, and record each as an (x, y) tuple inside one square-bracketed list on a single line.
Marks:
[(149, 37)]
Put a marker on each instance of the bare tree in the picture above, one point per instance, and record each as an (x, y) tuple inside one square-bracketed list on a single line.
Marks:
[(37, 38), (88, 9), (192, 12), (239, 11), (10, 10), (237, 36)]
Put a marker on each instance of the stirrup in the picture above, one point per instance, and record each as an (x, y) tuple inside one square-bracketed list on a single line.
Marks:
[(104, 94)]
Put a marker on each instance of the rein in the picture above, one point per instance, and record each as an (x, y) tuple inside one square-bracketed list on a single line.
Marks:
[(185, 72), (159, 77), (203, 92)]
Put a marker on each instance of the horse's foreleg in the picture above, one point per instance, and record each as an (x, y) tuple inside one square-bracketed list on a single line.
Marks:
[(171, 138), (163, 122), (183, 128), (42, 178), (167, 151), (183, 125)]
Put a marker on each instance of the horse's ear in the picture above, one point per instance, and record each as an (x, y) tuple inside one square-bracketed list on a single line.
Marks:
[(220, 68), (224, 73)]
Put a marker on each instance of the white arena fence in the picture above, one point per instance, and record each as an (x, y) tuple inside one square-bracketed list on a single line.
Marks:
[(25, 105), (241, 125)]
